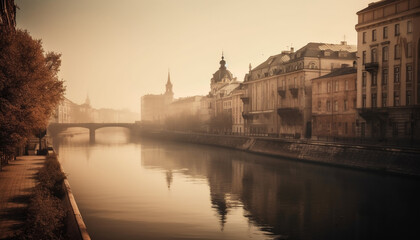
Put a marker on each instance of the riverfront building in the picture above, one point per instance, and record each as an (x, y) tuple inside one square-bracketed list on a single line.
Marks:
[(225, 108), (334, 104), (278, 98), (154, 108), (388, 71)]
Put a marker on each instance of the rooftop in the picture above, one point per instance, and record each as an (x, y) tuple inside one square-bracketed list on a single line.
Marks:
[(374, 5), (339, 72)]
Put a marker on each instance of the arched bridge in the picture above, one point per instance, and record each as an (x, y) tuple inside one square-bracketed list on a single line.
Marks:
[(56, 128)]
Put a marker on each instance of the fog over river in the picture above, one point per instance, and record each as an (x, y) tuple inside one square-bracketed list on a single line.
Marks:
[(137, 188)]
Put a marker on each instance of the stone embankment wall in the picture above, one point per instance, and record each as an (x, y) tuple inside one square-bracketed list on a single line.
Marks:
[(376, 158)]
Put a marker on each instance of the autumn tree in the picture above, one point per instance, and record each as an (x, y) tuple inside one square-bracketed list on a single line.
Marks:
[(29, 88)]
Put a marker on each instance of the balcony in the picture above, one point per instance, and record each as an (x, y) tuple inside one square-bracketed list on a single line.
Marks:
[(372, 67), (373, 113), (245, 99), (294, 90), (246, 115), (282, 92), (289, 111), (290, 114)]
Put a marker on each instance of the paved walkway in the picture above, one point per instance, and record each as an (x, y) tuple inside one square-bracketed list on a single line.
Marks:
[(16, 183)]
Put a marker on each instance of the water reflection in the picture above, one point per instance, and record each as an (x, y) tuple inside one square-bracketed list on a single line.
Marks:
[(166, 190)]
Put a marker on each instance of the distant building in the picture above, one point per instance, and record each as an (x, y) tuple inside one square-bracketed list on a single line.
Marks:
[(388, 86), (278, 99), (187, 106), (7, 14), (154, 108), (70, 112), (63, 112), (334, 104)]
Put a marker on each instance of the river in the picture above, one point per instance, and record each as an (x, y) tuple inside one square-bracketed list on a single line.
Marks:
[(145, 189)]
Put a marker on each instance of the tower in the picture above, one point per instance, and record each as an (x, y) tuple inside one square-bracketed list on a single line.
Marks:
[(169, 91)]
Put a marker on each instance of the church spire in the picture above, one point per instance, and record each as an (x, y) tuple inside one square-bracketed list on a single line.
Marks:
[(169, 84)]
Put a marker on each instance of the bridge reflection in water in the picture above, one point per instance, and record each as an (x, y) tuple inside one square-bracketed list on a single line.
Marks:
[(274, 198)]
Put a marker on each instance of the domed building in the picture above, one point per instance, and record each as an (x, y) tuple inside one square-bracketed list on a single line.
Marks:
[(222, 106), (221, 78)]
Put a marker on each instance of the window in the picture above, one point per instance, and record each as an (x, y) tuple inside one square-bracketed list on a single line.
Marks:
[(346, 85), (319, 105), (408, 98), (397, 29), (364, 37), (328, 106), (396, 74), (385, 76), (407, 128), (409, 69), (374, 105), (394, 129), (319, 87), (335, 106), (374, 35), (364, 76), (409, 49), (397, 51), (385, 33), (385, 54), (374, 78), (396, 99), (384, 99), (409, 27), (374, 55), (335, 86), (345, 105), (329, 87), (364, 57), (363, 101)]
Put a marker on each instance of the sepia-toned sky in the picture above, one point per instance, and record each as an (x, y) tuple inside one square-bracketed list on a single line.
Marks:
[(117, 51)]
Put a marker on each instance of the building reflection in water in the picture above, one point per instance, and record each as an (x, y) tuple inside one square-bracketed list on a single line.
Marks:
[(292, 199)]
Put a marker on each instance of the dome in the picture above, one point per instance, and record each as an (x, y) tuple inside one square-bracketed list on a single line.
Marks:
[(222, 73)]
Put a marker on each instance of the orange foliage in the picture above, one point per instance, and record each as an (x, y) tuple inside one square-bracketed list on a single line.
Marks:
[(29, 87)]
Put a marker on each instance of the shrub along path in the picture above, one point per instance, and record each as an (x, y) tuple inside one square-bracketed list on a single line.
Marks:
[(16, 183)]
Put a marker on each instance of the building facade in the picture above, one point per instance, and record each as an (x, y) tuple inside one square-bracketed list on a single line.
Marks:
[(334, 112), (222, 101), (277, 98), (388, 70), (155, 108), (237, 109)]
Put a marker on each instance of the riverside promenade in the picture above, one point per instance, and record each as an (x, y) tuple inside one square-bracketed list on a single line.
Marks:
[(16, 182)]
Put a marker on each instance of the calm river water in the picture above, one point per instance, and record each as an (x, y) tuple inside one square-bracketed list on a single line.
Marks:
[(146, 189)]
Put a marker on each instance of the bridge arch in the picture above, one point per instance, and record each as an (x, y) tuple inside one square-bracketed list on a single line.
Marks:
[(56, 128)]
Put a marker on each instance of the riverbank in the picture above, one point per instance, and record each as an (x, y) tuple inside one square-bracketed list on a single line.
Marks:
[(402, 161), (36, 201)]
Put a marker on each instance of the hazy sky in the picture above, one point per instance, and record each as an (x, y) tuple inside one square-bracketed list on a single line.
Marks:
[(117, 51)]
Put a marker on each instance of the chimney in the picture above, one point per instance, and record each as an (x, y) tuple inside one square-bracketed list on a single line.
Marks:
[(343, 42)]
